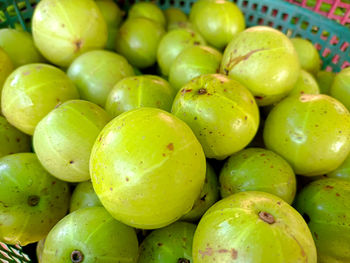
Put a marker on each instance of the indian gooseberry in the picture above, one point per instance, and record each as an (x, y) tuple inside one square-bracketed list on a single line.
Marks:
[(312, 132), (83, 196), (174, 15), (147, 10), (39, 250), (32, 201), (325, 81), (64, 138), (140, 91), (343, 171), (340, 88), (147, 168), (31, 92), (181, 25), (221, 112), (6, 67), (306, 84), (90, 235)]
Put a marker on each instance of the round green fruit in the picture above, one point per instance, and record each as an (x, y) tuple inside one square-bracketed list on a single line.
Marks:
[(147, 10), (64, 138), (325, 206), (140, 91), (39, 250), (325, 81), (83, 196), (192, 62), (147, 168), (171, 244), (306, 84), (31, 92), (257, 169), (31, 200), (253, 227), (96, 72), (138, 41), (90, 235), (343, 171), (221, 112), (341, 87), (265, 61), (174, 15), (62, 35), (111, 13), (6, 67), (312, 132)]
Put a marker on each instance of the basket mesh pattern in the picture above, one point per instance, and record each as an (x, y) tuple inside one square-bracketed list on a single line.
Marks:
[(12, 254)]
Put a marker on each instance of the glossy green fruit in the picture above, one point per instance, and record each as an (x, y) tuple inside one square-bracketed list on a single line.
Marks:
[(83, 196), (209, 195), (138, 41), (12, 140), (174, 15), (64, 138), (325, 206), (90, 235), (96, 72), (253, 227), (193, 62), (306, 84), (173, 43), (171, 244), (147, 168), (181, 25), (325, 81), (343, 171), (308, 55), (32, 91), (39, 250), (265, 61), (217, 21), (6, 67), (62, 35), (31, 200), (312, 132), (341, 87), (147, 10), (221, 112), (257, 169), (140, 91), (19, 45)]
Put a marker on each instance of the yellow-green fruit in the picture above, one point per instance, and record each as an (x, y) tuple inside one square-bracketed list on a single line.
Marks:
[(147, 10), (325, 81), (39, 250), (306, 84), (174, 15), (6, 68), (341, 87), (83, 196), (343, 171)]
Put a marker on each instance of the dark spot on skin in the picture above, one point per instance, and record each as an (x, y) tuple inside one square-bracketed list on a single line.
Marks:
[(203, 198), (339, 131), (54, 182), (234, 61), (306, 218), (77, 256), (183, 260), (170, 146), (160, 244), (225, 90), (328, 187), (99, 139), (18, 139), (225, 71), (279, 203), (58, 104), (111, 189), (127, 179), (78, 44), (196, 43), (316, 236), (266, 217), (63, 25), (193, 34), (195, 118), (263, 154), (186, 90), (258, 97), (271, 166), (337, 194), (26, 73), (246, 117), (71, 162), (221, 81), (234, 253), (163, 154), (208, 252), (218, 70), (316, 125), (223, 250), (33, 200), (202, 91)]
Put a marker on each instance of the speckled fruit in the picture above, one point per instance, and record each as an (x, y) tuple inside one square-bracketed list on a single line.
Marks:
[(61, 34), (312, 132), (306, 84), (209, 195), (193, 62), (31, 200), (253, 227), (6, 68), (83, 196), (343, 171), (325, 206), (173, 43), (174, 15), (265, 61), (32, 91), (140, 91), (218, 21), (147, 10), (64, 138), (341, 87), (257, 169), (96, 72), (171, 244), (221, 112), (325, 81), (90, 235), (138, 41), (12, 140), (147, 168)]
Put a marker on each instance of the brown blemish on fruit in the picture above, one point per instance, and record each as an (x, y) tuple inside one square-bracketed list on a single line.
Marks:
[(234, 253), (203, 198), (246, 117), (301, 247), (71, 162), (329, 187), (163, 154), (266, 217), (235, 61), (33, 200), (258, 97), (78, 44), (196, 43), (195, 118), (77, 256), (183, 91), (127, 179), (160, 244), (263, 154), (63, 25), (170, 146), (208, 252), (316, 236), (337, 194), (111, 189), (18, 139), (202, 91), (279, 203), (26, 73)]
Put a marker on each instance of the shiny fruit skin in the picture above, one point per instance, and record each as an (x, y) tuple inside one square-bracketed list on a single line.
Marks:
[(31, 200), (306, 84), (39, 250), (341, 87), (343, 171), (83, 196), (6, 67), (235, 230), (92, 231), (174, 15), (312, 132), (147, 168), (111, 13), (147, 10), (325, 81)]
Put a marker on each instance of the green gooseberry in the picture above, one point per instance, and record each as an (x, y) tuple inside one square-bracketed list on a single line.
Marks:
[(19, 46), (64, 138), (172, 44), (39, 250), (308, 55), (6, 67), (147, 10), (325, 81), (147, 168), (264, 60), (12, 140), (140, 91), (257, 169), (96, 72), (325, 206), (83, 196), (181, 25), (340, 88), (192, 62), (221, 112), (343, 171), (90, 235), (32, 201), (111, 13), (253, 227), (138, 41), (174, 15), (171, 244), (312, 132), (217, 21), (31, 92), (306, 84)]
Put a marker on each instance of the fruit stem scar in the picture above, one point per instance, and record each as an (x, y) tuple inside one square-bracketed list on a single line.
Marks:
[(183, 260), (234, 61), (78, 44), (33, 200), (267, 217), (202, 91), (77, 256)]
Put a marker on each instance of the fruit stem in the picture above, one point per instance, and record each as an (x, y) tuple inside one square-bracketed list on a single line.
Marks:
[(77, 256), (267, 217)]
